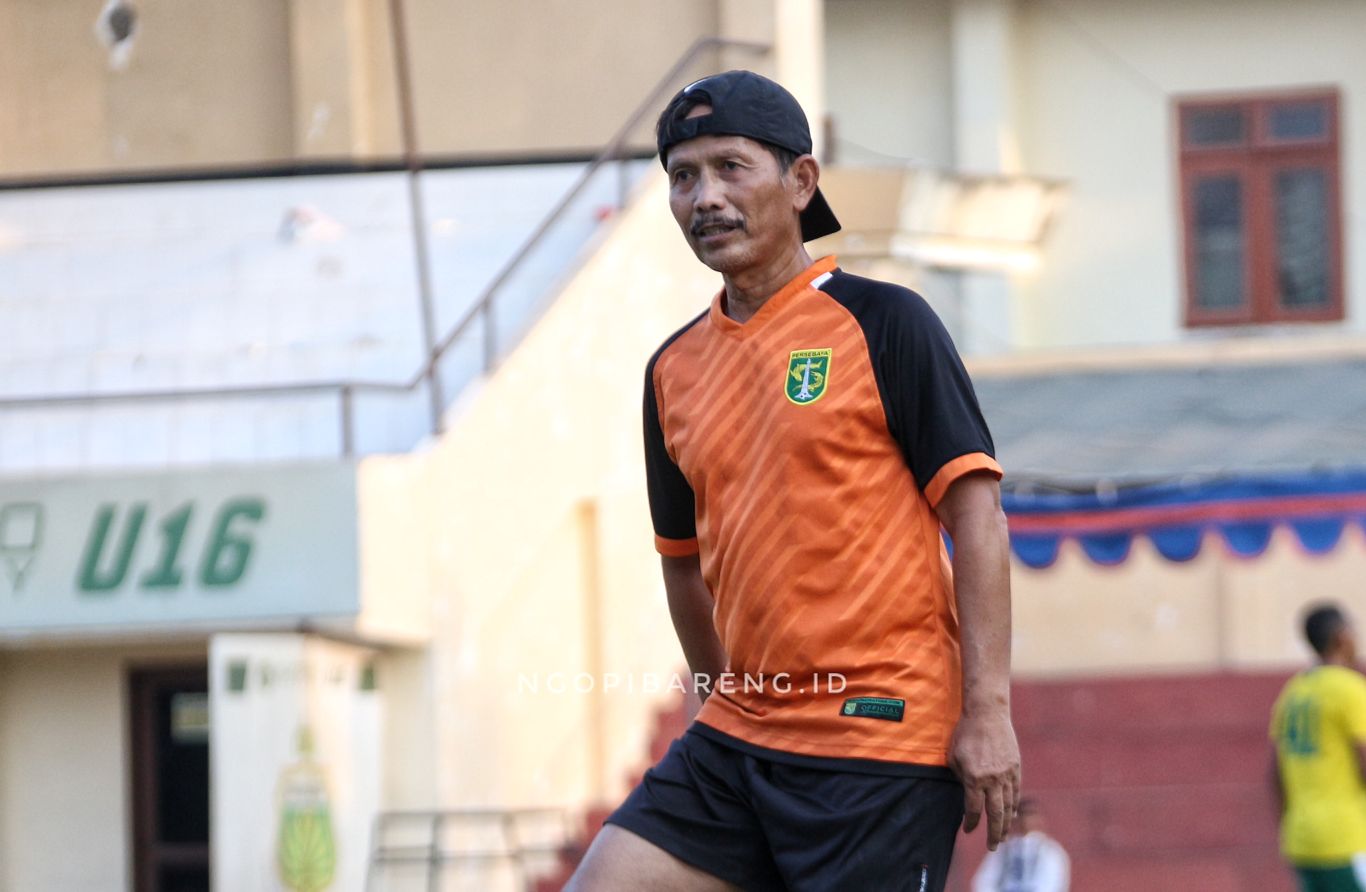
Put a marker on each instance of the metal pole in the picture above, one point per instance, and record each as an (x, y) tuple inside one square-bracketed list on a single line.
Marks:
[(413, 163), (434, 856), (376, 846), (623, 182), (490, 337), (513, 845), (348, 441)]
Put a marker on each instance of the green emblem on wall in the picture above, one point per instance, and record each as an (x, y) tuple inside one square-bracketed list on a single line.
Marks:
[(306, 851), (808, 375)]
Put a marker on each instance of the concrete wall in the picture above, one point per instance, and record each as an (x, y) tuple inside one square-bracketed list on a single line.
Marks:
[(65, 821), (261, 80)]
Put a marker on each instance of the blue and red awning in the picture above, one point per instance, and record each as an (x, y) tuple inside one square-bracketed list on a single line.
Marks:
[(1178, 516)]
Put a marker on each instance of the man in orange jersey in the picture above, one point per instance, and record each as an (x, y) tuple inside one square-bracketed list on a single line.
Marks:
[(806, 436)]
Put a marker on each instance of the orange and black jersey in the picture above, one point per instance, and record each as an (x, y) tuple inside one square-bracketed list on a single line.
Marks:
[(802, 453)]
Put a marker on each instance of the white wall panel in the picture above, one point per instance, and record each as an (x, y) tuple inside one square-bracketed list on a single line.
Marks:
[(256, 282)]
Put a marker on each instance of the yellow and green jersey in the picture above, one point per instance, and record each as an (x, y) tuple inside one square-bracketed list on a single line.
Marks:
[(1317, 724)]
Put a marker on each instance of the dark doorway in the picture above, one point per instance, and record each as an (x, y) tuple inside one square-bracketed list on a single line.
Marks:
[(170, 754)]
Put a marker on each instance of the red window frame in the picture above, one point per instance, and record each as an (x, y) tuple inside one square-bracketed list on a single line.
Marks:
[(1255, 161)]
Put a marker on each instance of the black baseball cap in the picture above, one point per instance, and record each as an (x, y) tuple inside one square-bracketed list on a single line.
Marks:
[(745, 104)]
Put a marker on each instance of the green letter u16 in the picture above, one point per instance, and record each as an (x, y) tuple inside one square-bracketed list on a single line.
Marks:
[(227, 554)]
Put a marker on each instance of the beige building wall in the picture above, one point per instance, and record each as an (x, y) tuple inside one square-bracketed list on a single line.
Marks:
[(64, 762), (537, 540), (1085, 95), (1096, 87), (1216, 612), (255, 81), (890, 81), (205, 83), (525, 76)]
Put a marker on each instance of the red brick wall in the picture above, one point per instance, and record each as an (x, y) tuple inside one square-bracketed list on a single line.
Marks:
[(1151, 783)]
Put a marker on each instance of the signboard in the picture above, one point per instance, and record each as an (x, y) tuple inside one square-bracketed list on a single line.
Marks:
[(148, 550)]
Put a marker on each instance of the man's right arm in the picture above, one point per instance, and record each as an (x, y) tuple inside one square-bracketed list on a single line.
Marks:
[(673, 511), (690, 606)]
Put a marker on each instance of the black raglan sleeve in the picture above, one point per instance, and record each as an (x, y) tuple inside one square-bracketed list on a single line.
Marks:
[(673, 508), (932, 410)]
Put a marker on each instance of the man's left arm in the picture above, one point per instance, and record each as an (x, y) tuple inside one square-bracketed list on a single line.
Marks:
[(984, 751)]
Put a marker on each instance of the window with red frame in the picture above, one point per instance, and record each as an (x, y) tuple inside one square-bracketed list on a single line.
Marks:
[(1259, 196)]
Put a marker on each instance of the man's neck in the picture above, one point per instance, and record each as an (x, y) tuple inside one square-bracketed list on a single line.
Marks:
[(746, 292)]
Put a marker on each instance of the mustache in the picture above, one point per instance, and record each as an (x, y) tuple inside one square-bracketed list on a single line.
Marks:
[(701, 223)]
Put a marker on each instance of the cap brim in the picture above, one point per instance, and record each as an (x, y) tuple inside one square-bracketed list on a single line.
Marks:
[(818, 220)]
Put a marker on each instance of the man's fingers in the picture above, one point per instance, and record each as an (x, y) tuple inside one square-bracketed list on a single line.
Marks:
[(986, 759), (997, 821), (972, 807)]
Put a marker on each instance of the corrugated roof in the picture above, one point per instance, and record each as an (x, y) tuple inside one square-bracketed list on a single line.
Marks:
[(1140, 425)]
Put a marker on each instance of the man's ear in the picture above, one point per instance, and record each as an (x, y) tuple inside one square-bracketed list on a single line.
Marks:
[(805, 174)]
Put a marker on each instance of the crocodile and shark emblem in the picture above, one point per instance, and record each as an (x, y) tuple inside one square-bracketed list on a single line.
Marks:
[(808, 375)]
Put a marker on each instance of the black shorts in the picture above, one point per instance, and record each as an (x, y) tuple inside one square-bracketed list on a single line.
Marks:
[(766, 824)]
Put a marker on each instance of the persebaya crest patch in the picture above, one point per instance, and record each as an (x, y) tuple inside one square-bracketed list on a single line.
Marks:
[(808, 375)]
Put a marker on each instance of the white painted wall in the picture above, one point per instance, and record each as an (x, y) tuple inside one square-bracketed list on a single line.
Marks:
[(889, 81), (201, 285)]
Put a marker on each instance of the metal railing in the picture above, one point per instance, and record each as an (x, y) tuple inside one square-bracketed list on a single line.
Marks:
[(482, 312), (514, 842)]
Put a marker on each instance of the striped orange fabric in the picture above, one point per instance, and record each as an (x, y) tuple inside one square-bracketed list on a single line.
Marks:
[(822, 551)]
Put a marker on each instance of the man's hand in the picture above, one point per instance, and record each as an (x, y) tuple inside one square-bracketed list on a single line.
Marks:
[(984, 751), (986, 758), (690, 606)]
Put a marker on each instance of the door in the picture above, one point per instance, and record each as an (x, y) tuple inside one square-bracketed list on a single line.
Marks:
[(170, 775)]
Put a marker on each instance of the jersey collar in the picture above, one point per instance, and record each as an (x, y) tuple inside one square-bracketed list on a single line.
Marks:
[(774, 304)]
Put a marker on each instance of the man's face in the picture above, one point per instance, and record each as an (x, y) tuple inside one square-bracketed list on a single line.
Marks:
[(735, 207)]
